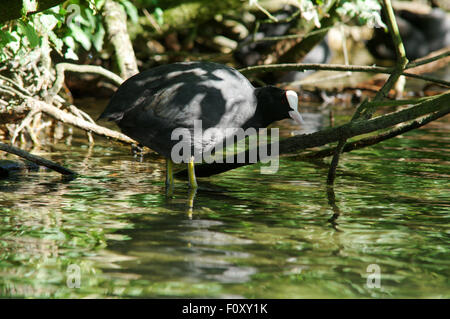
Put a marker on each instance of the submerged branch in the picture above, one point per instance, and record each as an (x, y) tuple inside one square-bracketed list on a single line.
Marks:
[(36, 159)]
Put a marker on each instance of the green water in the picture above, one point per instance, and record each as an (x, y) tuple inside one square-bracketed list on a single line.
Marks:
[(249, 235)]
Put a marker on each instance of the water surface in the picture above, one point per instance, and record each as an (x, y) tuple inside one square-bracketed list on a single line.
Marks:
[(248, 236)]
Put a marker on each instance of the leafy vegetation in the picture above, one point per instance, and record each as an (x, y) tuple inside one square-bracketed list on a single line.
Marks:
[(78, 24)]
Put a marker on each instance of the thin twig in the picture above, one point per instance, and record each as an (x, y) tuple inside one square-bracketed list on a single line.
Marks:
[(14, 84), (85, 116), (71, 119), (427, 78), (284, 20), (152, 21), (25, 122), (335, 67), (262, 9), (68, 118), (314, 66), (284, 37), (33, 135), (419, 62)]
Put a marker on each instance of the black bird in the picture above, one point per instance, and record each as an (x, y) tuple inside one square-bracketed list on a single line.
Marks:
[(152, 106), (421, 34), (252, 50)]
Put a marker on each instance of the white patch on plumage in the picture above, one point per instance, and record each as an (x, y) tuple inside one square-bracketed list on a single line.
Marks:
[(292, 99)]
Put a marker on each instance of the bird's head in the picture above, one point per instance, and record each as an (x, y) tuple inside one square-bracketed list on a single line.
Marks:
[(276, 104)]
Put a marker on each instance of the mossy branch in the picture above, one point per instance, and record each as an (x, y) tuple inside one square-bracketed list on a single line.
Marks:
[(439, 104), (372, 140)]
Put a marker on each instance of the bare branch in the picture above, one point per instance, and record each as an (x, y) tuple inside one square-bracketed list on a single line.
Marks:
[(335, 67)]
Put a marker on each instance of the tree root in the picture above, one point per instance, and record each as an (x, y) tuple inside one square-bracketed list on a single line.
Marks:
[(77, 121), (62, 67), (76, 118)]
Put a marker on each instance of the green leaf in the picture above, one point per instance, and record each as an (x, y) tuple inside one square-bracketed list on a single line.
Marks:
[(97, 39), (30, 33), (70, 42), (48, 21), (131, 10), (159, 16), (5, 38), (90, 19), (70, 54), (57, 42), (14, 43), (27, 5), (99, 3), (80, 36)]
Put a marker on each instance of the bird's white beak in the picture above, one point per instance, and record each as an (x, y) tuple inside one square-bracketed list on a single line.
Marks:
[(292, 98)]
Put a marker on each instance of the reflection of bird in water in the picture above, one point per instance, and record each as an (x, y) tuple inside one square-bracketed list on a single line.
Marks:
[(421, 34), (8, 166)]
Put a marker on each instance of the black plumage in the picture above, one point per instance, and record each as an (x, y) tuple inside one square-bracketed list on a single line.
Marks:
[(150, 105)]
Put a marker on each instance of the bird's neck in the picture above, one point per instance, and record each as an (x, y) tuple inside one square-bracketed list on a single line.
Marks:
[(269, 107), (256, 121)]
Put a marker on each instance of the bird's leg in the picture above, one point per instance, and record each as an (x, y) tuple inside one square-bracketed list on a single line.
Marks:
[(192, 186), (169, 175), (191, 197), (191, 174)]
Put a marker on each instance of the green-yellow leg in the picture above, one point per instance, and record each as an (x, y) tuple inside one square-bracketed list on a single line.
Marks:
[(191, 174), (192, 186), (169, 173), (191, 196)]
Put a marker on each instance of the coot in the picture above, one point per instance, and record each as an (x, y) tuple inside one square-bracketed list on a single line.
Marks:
[(151, 105), (421, 34)]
